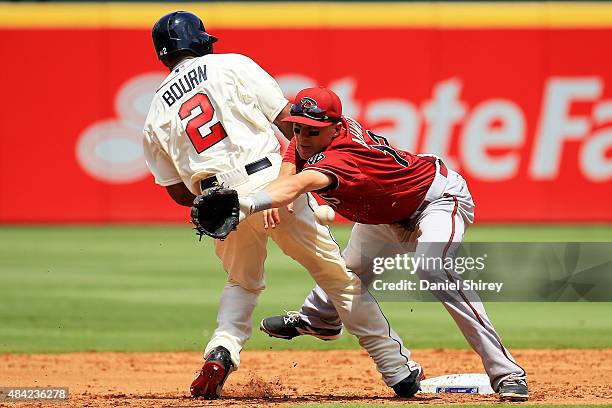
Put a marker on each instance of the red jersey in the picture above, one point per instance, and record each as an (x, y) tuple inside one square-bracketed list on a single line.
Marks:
[(374, 182)]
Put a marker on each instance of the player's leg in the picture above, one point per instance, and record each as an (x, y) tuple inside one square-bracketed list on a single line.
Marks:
[(441, 228), (318, 309), (322, 321), (365, 243), (312, 246), (242, 255), (317, 316)]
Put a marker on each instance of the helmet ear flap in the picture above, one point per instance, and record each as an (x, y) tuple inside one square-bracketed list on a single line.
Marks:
[(207, 43), (181, 31)]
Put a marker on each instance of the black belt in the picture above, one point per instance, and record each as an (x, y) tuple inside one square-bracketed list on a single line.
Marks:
[(250, 169)]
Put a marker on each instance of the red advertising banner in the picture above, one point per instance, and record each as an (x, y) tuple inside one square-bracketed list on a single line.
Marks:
[(524, 113)]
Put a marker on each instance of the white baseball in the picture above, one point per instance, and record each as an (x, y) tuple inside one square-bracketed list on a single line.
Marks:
[(325, 214)]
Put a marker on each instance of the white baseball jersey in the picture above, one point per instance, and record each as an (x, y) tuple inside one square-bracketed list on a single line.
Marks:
[(212, 114)]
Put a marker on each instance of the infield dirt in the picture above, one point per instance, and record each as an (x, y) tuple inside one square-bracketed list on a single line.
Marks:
[(287, 378)]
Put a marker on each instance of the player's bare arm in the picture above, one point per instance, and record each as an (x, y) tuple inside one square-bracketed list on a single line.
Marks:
[(283, 191), (181, 194), (286, 189), (285, 127), (287, 169)]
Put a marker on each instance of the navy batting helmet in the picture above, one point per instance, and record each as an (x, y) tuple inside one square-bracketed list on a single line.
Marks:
[(181, 31)]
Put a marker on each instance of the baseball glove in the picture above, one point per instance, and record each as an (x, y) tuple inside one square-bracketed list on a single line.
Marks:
[(215, 212)]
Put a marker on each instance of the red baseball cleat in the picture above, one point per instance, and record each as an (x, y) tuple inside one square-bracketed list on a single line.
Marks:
[(209, 382)]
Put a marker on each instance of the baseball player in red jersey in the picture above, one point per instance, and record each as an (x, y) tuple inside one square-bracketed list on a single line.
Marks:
[(396, 199)]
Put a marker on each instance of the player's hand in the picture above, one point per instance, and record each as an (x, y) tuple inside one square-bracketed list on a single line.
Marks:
[(271, 218)]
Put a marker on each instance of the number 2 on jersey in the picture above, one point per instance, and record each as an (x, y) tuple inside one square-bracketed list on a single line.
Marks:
[(201, 132)]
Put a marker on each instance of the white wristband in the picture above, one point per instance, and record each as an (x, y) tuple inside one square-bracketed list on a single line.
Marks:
[(261, 201), (246, 206), (251, 204)]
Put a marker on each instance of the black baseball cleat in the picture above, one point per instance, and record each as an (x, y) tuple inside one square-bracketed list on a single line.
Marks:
[(410, 385), (514, 388), (208, 384), (290, 325)]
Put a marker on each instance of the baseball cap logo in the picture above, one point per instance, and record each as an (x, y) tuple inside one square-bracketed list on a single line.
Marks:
[(308, 102)]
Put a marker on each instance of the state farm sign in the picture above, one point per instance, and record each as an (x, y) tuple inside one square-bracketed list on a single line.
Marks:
[(524, 114), (496, 124)]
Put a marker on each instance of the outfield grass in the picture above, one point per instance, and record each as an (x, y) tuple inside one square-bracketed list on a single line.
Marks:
[(157, 289)]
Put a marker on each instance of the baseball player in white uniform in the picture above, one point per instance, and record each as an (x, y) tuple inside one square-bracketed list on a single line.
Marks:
[(210, 123)]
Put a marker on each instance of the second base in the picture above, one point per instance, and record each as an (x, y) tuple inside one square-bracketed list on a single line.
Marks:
[(457, 384)]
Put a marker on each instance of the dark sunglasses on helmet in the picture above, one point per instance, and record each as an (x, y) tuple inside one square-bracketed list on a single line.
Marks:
[(312, 112)]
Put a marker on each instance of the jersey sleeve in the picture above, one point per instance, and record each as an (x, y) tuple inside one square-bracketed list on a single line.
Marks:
[(338, 165), (158, 161), (291, 156), (269, 95), (290, 153)]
